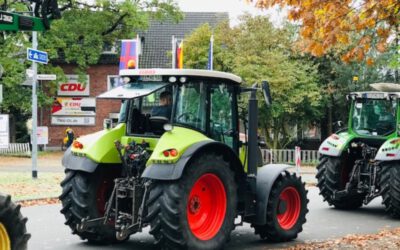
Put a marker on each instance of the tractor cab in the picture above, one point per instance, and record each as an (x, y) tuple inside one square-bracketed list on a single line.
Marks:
[(373, 114), (203, 101)]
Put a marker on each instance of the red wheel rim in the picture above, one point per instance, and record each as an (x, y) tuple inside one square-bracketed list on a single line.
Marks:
[(206, 206), (103, 193), (288, 209)]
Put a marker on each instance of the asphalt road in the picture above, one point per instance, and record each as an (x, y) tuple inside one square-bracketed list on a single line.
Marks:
[(48, 231)]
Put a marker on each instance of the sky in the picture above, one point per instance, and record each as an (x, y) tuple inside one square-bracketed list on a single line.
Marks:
[(235, 8)]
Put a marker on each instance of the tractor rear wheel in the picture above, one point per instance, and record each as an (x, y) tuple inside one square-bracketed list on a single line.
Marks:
[(198, 210), (84, 195), (286, 209), (332, 176), (13, 234), (389, 183)]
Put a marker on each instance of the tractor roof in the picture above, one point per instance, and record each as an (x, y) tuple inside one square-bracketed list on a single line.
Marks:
[(383, 90), (181, 72), (374, 95)]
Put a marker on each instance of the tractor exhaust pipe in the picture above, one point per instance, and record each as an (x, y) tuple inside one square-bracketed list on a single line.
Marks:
[(252, 143)]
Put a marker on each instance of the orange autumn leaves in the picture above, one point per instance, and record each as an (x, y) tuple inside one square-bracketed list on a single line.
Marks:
[(358, 29)]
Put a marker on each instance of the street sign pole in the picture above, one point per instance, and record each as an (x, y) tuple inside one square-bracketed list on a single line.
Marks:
[(34, 110)]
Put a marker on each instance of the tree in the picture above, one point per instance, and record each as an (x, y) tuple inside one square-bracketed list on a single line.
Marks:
[(327, 25), (257, 51), (77, 38)]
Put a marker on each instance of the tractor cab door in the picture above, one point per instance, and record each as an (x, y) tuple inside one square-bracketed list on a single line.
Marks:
[(209, 107), (223, 114)]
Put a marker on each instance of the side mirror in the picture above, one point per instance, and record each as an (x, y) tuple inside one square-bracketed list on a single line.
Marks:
[(266, 92), (107, 124)]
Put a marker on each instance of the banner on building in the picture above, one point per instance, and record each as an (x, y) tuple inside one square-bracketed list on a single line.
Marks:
[(74, 106), (130, 50), (4, 131), (74, 87), (73, 120)]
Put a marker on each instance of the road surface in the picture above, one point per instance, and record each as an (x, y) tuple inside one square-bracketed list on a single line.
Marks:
[(46, 225)]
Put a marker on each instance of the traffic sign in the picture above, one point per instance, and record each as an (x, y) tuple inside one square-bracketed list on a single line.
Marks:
[(36, 56), (46, 77)]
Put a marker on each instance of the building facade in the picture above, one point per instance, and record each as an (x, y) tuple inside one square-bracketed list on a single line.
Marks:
[(76, 106)]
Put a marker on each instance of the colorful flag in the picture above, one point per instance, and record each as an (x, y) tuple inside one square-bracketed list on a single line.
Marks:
[(129, 58), (179, 54), (210, 54)]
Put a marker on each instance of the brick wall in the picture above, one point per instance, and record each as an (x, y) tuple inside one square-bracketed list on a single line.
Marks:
[(98, 84)]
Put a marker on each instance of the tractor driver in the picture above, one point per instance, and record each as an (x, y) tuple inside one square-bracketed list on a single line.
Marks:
[(165, 107)]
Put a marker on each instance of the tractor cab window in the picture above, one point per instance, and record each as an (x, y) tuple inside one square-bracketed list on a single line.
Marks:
[(123, 111), (148, 114), (376, 117), (221, 113), (190, 107)]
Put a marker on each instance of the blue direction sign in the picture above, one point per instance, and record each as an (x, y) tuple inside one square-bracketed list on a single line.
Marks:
[(36, 56)]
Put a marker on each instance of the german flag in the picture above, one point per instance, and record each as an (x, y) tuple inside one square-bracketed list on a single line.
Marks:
[(179, 54)]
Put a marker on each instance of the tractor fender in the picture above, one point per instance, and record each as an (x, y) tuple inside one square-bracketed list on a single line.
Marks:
[(73, 162), (335, 144), (266, 176), (174, 171), (389, 151)]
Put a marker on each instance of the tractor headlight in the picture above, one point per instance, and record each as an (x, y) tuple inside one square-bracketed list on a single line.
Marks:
[(168, 127)]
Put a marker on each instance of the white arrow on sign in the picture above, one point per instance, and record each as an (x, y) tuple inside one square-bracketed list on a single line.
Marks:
[(45, 77)]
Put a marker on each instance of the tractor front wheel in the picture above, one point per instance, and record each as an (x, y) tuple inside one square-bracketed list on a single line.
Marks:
[(332, 176), (389, 183), (84, 195), (13, 234), (286, 209), (198, 210)]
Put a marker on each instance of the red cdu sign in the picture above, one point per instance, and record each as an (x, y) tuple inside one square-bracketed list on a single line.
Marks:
[(74, 87)]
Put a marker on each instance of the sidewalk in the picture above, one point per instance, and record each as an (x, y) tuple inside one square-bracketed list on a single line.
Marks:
[(47, 162)]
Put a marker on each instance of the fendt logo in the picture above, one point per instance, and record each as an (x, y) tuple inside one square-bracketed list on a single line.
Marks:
[(72, 87)]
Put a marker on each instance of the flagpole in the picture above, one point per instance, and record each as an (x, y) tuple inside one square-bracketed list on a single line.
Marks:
[(212, 52), (138, 47), (173, 52)]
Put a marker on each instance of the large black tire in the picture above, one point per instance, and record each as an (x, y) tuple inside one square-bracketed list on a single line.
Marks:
[(12, 221), (332, 177), (286, 209), (84, 196), (173, 206), (389, 183)]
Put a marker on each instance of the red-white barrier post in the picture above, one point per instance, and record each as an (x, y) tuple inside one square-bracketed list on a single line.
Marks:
[(297, 156)]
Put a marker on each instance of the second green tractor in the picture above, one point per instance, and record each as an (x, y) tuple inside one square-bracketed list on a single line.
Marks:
[(362, 162)]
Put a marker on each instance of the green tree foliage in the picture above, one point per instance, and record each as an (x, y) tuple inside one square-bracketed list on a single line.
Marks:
[(257, 51)]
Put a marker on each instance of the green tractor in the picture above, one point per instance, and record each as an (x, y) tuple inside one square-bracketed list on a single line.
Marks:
[(361, 162), (13, 235), (183, 171)]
